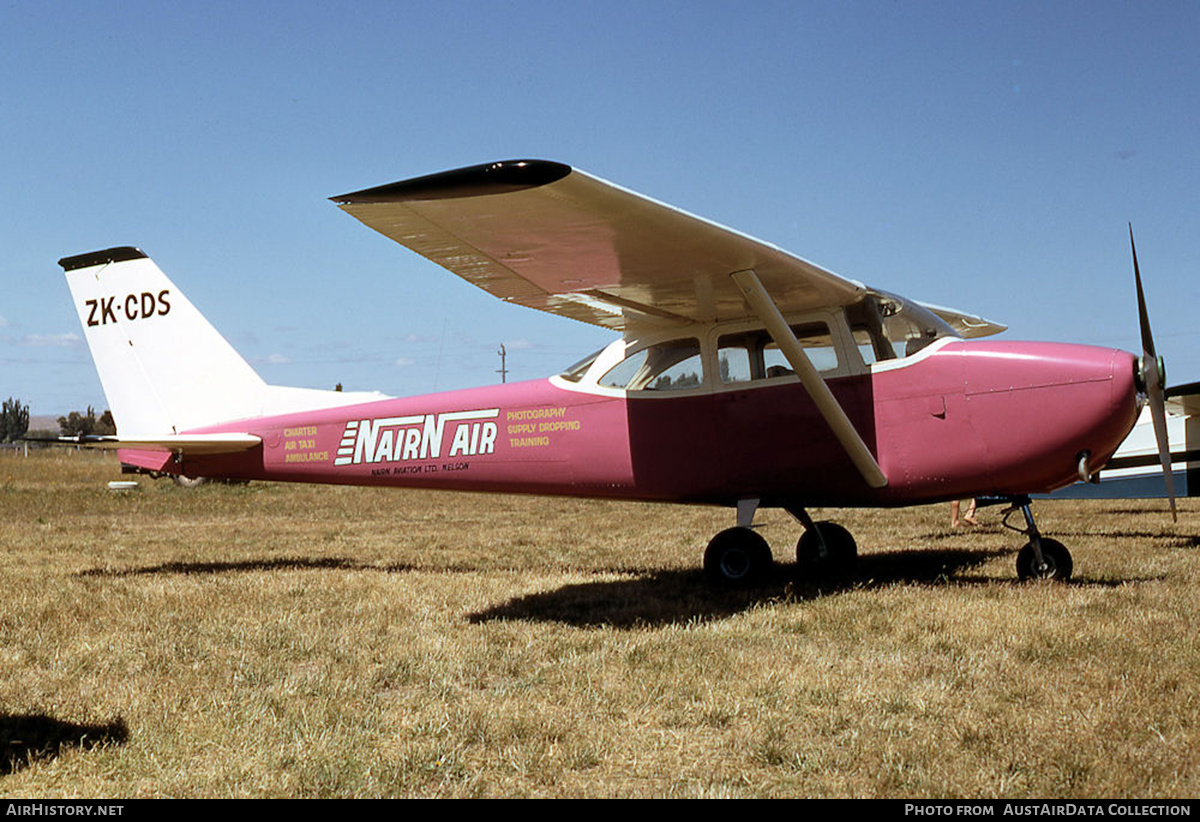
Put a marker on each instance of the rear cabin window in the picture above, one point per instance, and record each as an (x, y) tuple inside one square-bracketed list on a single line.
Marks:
[(753, 355), (668, 366)]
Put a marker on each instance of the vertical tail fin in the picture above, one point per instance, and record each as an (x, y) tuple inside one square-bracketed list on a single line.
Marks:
[(163, 366)]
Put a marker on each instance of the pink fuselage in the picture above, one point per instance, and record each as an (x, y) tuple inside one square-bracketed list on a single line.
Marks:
[(969, 419)]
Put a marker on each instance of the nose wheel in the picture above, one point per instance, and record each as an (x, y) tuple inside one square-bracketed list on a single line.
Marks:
[(1055, 562), (1041, 558)]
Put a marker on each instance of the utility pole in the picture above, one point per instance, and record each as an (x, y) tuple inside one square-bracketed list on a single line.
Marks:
[(502, 371)]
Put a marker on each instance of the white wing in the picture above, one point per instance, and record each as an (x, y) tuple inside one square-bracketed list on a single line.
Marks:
[(558, 239)]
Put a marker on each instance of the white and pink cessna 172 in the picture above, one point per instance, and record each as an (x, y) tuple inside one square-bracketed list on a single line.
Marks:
[(744, 376)]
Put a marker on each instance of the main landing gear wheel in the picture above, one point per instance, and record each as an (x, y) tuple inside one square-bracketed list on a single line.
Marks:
[(737, 557), (826, 549), (1056, 562)]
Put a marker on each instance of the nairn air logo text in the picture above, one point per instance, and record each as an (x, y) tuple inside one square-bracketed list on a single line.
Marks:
[(417, 437)]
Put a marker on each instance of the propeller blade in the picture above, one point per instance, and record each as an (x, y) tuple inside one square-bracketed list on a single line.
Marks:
[(1159, 415), (1153, 377), (1143, 314)]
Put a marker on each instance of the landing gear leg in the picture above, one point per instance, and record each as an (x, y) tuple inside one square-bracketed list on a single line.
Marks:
[(1041, 558)]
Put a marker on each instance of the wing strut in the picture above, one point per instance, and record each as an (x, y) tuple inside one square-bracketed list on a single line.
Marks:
[(762, 304)]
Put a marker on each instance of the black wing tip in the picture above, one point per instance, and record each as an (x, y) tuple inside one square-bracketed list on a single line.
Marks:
[(109, 255), (473, 181), (1187, 389)]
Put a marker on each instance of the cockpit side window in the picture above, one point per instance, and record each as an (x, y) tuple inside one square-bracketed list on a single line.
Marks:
[(752, 355), (669, 366)]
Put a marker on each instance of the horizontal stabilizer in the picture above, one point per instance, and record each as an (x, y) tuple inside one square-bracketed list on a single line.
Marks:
[(189, 444)]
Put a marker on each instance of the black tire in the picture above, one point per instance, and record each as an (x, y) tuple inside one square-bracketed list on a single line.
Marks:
[(737, 557), (836, 558), (1057, 558)]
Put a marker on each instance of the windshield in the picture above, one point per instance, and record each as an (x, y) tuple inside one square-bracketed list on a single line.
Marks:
[(575, 372), (907, 326)]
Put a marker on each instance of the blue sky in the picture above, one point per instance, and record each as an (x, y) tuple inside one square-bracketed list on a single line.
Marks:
[(985, 156)]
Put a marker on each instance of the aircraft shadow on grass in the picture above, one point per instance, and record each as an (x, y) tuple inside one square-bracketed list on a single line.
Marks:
[(1163, 538), (921, 566), (28, 738), (674, 597), (671, 597), (249, 565)]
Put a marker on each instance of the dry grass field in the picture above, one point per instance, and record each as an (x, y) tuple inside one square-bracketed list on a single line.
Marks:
[(274, 640)]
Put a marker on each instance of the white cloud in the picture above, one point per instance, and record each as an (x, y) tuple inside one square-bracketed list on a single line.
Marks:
[(403, 361), (277, 359), (68, 340)]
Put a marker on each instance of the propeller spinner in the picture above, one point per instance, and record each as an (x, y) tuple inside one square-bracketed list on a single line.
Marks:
[(1152, 374)]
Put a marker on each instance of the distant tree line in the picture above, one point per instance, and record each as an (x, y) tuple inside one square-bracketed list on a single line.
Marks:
[(14, 420), (75, 423)]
